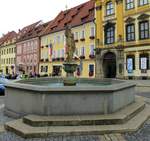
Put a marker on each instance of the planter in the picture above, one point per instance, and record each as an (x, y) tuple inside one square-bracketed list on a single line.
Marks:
[(91, 74), (82, 57), (76, 40), (92, 37), (92, 56), (83, 39)]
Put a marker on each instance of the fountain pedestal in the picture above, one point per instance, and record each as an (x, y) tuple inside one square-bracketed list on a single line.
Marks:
[(70, 80)]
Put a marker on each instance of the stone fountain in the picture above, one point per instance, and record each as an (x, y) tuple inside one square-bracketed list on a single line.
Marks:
[(70, 66), (55, 106)]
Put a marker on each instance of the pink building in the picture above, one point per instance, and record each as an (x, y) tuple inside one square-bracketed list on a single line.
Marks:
[(28, 49)]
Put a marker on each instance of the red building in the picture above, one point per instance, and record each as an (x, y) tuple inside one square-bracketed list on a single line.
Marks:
[(28, 48)]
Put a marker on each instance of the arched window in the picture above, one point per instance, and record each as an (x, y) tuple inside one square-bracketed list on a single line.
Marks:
[(109, 8)]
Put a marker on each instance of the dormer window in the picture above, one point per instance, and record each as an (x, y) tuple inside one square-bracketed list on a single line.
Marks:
[(109, 8)]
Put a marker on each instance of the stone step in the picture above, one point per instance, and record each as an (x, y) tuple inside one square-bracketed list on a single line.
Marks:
[(28, 131), (117, 118)]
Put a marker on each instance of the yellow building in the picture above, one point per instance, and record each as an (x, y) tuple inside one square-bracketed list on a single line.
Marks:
[(123, 38), (7, 53), (81, 20)]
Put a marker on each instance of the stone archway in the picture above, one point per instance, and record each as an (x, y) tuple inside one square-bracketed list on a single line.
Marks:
[(109, 65)]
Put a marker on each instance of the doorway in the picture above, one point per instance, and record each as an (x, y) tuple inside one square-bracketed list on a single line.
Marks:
[(109, 65)]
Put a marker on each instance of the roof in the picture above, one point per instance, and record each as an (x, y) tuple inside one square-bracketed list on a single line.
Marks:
[(24, 31), (34, 31), (73, 17), (8, 37)]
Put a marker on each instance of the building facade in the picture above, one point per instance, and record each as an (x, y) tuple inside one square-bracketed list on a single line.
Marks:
[(8, 54), (28, 50), (53, 46), (123, 38)]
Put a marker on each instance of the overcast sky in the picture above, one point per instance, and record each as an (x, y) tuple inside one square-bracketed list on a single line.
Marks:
[(15, 14)]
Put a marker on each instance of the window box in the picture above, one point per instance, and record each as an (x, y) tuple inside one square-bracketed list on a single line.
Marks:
[(75, 58), (78, 73), (82, 39), (46, 60), (92, 37), (76, 40), (92, 56), (58, 59), (91, 74), (42, 60), (53, 59), (62, 59), (82, 57)]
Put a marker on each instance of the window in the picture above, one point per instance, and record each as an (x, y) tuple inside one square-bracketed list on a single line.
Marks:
[(109, 34), (130, 65), (92, 31), (76, 36), (82, 51), (82, 34), (143, 2), (144, 30), (92, 50), (62, 53), (144, 62), (109, 8), (130, 32), (46, 68), (129, 4), (58, 39)]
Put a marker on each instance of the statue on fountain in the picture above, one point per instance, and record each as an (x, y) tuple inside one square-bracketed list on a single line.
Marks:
[(69, 65), (70, 45)]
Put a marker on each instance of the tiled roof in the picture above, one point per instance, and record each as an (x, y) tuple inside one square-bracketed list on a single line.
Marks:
[(22, 33), (8, 37), (33, 32), (75, 16)]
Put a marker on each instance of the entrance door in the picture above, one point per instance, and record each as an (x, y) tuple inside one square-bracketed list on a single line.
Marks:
[(57, 70), (109, 65)]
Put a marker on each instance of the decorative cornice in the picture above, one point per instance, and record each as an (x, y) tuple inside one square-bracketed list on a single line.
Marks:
[(129, 20), (143, 16)]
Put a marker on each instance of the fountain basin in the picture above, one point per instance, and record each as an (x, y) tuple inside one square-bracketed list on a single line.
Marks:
[(88, 97)]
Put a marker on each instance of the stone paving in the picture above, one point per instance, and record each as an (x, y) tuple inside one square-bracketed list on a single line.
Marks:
[(141, 135), (109, 137)]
